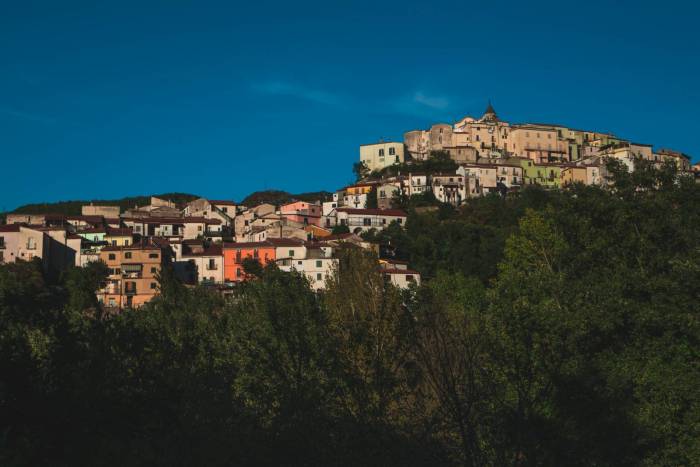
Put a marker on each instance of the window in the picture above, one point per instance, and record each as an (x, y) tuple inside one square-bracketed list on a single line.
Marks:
[(225, 209), (153, 285), (238, 272), (2, 257), (114, 243), (299, 263), (366, 221), (31, 244), (154, 270), (112, 302), (153, 255), (291, 253), (199, 228), (318, 276), (381, 153), (127, 255), (319, 263), (126, 242), (2, 242), (392, 151), (409, 278), (112, 256)]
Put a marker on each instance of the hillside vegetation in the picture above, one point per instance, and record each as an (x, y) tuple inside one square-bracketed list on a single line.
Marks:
[(73, 208), (278, 197), (555, 328)]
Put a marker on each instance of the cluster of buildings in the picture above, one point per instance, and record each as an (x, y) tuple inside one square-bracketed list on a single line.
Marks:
[(203, 242), (208, 242), (494, 155)]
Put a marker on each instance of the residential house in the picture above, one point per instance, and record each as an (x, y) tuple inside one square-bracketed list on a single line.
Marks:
[(449, 188), (118, 237), (387, 193), (302, 212), (398, 273), (236, 253), (315, 261), (355, 196), (380, 155), (102, 211), (363, 220), (133, 273), (204, 262)]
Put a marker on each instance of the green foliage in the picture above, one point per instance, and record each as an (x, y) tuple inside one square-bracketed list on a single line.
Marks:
[(372, 198), (252, 267), (278, 197), (340, 229), (360, 170), (551, 328), (438, 162)]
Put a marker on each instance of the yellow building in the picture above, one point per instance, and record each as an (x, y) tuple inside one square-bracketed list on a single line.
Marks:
[(547, 175), (380, 155), (119, 237), (574, 174)]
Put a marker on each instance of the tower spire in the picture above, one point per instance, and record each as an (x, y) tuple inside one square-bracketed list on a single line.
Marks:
[(490, 113)]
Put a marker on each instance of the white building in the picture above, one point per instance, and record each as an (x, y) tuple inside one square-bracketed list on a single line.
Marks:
[(363, 220)]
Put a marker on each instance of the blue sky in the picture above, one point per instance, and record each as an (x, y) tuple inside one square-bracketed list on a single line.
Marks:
[(111, 99)]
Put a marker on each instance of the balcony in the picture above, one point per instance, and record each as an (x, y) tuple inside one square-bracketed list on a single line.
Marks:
[(212, 267), (366, 223), (130, 291)]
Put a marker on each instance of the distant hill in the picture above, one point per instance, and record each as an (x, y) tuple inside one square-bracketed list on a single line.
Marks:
[(73, 208), (278, 197)]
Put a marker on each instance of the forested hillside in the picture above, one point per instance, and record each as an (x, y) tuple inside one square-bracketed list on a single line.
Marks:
[(554, 328), (278, 197), (73, 208)]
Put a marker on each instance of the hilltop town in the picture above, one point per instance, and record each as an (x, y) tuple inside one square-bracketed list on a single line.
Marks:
[(206, 241)]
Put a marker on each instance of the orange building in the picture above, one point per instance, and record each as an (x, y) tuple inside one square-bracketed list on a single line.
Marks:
[(235, 253), (133, 273)]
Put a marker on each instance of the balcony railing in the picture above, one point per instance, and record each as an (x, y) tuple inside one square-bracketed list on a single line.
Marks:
[(365, 223), (130, 291), (212, 267)]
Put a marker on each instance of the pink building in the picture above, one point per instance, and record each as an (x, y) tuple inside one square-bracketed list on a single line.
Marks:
[(302, 212)]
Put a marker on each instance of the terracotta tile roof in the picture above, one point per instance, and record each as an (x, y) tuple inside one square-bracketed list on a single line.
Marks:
[(211, 250), (145, 244), (223, 202), (10, 228), (94, 230), (173, 220), (236, 245), (125, 231), (286, 241)]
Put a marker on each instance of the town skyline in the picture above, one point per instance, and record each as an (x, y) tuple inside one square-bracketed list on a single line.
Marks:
[(84, 87)]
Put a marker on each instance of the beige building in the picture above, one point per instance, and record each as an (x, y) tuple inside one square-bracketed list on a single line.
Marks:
[(110, 212), (204, 262), (380, 155), (450, 188), (133, 273)]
